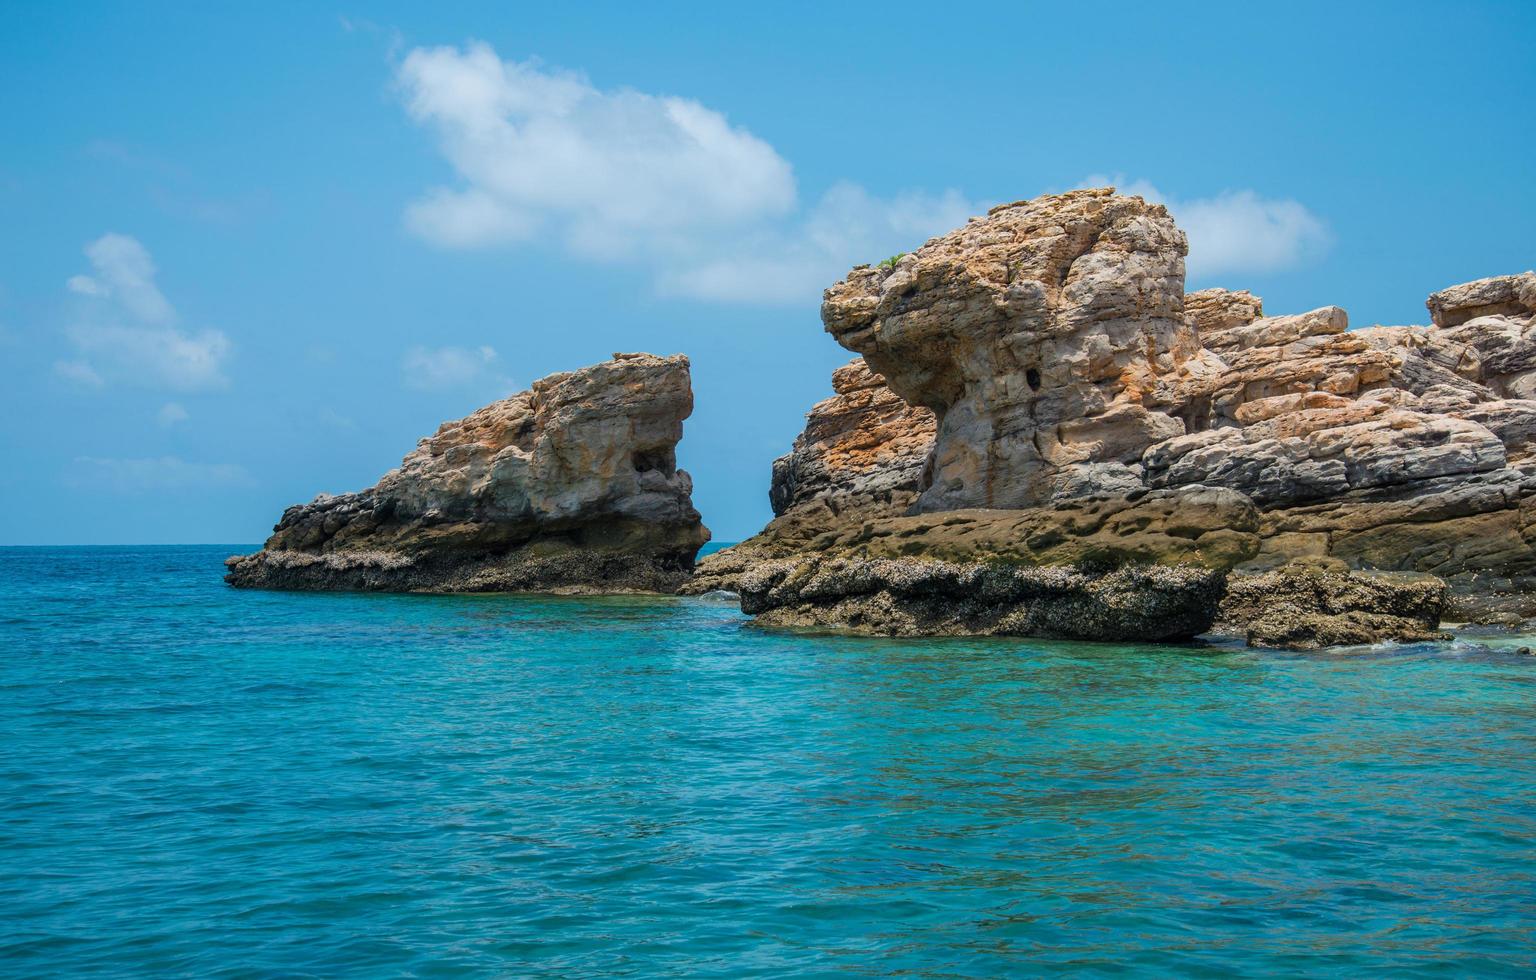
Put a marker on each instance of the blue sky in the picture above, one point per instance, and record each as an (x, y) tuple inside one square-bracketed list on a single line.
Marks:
[(246, 256)]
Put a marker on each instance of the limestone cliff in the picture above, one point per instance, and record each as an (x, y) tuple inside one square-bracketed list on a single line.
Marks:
[(863, 447), (1062, 362), (1035, 334), (572, 485)]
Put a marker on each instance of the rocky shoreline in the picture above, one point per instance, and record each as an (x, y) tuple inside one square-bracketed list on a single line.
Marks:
[(1042, 434)]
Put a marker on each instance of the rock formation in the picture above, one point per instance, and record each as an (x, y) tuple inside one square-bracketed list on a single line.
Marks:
[(1035, 334), (570, 486), (863, 447), (907, 597), (1112, 568), (1062, 362), (1389, 448), (863, 455), (1313, 603)]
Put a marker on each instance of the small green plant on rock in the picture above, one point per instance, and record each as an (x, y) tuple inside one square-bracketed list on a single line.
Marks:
[(890, 263)]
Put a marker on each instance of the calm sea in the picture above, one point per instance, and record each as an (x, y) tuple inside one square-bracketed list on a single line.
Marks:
[(199, 781)]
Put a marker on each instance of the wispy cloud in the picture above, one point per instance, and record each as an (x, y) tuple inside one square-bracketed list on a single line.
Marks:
[(431, 369), (125, 274), (171, 414), (78, 373), (655, 180), (153, 474), (1237, 230), (126, 330)]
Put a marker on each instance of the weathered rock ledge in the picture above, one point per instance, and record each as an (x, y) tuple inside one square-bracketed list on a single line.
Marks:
[(572, 486), (1046, 354), (1148, 566), (927, 597), (1310, 604)]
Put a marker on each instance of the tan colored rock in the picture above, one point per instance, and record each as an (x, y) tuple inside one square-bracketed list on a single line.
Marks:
[(1263, 409), (863, 456), (1512, 420), (862, 447), (572, 485), (1212, 312), (1505, 349), (1434, 346), (1034, 334), (1345, 365), (1276, 331), (1053, 343), (1498, 295)]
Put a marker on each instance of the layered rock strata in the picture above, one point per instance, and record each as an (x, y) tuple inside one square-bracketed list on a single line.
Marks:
[(1053, 343), (572, 485), (863, 448), (1035, 334), (1388, 448)]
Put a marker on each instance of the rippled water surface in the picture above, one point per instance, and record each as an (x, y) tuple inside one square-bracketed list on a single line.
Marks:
[(201, 781)]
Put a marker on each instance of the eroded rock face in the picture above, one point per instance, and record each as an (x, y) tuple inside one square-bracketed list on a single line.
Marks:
[(863, 447), (1212, 312), (1499, 295), (572, 485), (1319, 453), (1034, 335), (1063, 366), (863, 455)]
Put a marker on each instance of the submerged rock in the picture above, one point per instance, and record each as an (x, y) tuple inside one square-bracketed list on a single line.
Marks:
[(570, 486)]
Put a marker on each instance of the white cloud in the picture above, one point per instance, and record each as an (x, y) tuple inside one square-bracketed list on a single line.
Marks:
[(154, 355), (171, 413), (1235, 231), (125, 273), (846, 227), (621, 175), (607, 169), (448, 367), (78, 372), (127, 329), (154, 473)]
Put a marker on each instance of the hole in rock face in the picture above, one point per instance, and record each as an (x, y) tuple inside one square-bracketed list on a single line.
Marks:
[(1032, 375), (657, 459)]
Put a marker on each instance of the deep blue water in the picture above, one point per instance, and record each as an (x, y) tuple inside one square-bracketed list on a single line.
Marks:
[(199, 781)]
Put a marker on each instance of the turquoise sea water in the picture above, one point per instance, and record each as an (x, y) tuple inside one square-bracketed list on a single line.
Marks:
[(199, 781)]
